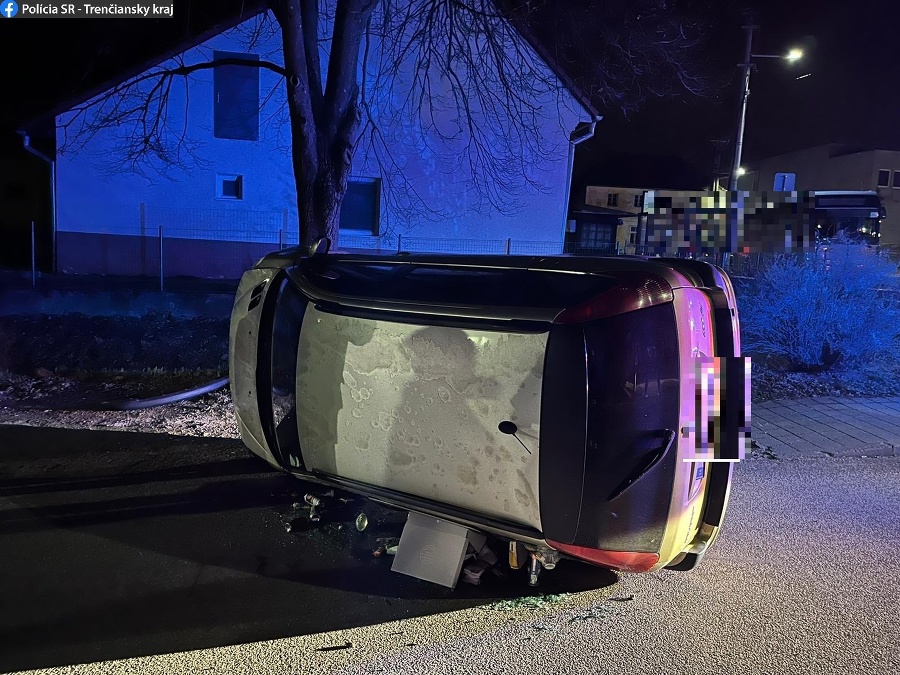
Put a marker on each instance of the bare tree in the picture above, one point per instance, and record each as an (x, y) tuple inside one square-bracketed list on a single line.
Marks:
[(362, 76)]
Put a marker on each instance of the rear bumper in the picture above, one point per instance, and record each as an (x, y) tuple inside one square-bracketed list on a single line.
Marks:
[(718, 490), (726, 332)]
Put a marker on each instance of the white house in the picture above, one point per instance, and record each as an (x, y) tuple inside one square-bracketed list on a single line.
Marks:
[(230, 197)]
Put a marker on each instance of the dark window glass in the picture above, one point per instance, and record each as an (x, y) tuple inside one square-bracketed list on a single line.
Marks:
[(236, 98), (884, 178), (849, 200), (596, 235), (455, 285), (359, 211), (232, 189)]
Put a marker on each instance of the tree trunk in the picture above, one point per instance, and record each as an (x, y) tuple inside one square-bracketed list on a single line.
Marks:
[(323, 123)]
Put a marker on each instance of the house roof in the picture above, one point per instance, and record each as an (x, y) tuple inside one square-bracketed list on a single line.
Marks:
[(128, 48), (603, 211), (133, 53)]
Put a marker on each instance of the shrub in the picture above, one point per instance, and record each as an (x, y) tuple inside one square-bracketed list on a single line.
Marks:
[(816, 311)]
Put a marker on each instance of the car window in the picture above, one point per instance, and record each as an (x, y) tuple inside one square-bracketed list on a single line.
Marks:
[(443, 284)]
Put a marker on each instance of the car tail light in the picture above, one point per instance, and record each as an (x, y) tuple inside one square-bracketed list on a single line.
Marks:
[(635, 292), (626, 561)]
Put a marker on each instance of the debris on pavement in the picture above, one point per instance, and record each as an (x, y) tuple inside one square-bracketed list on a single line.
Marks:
[(477, 563), (597, 612), (527, 602), (332, 648), (386, 546), (471, 573)]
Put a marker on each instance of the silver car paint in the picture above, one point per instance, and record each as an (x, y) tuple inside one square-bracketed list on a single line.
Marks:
[(416, 409), (242, 364)]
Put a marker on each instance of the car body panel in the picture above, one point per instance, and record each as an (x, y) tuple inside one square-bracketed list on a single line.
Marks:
[(400, 379), (416, 409), (243, 362)]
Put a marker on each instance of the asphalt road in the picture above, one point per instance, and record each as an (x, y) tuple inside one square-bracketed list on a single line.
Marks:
[(116, 545)]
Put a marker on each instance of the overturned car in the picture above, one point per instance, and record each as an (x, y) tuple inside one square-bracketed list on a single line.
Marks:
[(548, 401)]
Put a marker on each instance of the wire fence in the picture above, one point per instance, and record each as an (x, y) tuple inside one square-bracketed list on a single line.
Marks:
[(400, 243), (164, 243)]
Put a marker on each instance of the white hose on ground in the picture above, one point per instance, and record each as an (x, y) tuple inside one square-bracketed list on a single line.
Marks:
[(166, 399)]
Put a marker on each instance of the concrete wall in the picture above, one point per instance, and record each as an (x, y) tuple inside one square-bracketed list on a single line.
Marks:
[(98, 199)]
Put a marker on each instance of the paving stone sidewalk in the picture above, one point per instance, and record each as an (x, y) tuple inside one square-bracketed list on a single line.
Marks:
[(827, 426)]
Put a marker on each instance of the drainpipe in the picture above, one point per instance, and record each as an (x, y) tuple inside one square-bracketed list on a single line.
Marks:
[(26, 143), (582, 132)]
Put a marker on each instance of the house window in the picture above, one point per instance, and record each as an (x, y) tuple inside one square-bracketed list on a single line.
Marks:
[(229, 186), (236, 98), (360, 211), (596, 235), (612, 199), (638, 201), (897, 179), (884, 178)]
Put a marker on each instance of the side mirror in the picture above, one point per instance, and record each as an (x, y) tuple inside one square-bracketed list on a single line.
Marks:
[(320, 246)]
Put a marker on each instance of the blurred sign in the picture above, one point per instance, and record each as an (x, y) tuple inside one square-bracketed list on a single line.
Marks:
[(785, 182), (697, 222)]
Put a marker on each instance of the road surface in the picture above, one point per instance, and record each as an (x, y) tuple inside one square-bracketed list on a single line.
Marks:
[(161, 554)]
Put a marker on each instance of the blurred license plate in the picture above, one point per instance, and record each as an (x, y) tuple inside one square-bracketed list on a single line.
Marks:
[(721, 429)]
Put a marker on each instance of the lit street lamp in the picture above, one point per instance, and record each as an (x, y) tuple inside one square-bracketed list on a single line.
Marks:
[(792, 56)]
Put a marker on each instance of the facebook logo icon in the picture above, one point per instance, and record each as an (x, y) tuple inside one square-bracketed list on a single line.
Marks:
[(10, 9)]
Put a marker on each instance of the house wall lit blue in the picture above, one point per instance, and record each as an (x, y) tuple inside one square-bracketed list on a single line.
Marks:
[(229, 196)]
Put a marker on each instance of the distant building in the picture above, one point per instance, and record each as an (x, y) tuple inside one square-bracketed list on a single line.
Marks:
[(613, 196), (836, 167)]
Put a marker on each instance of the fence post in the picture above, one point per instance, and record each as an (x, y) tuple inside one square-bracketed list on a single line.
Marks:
[(399, 240), (508, 245), (33, 257), (142, 222), (617, 248), (161, 275), (280, 239)]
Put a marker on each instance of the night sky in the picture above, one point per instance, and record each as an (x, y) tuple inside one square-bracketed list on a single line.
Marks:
[(852, 93)]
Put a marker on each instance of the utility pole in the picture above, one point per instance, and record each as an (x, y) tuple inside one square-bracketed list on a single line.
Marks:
[(718, 174), (742, 114)]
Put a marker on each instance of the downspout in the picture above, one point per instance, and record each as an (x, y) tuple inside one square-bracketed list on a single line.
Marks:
[(582, 132), (26, 143)]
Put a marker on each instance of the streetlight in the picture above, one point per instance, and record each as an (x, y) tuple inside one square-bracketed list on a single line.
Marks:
[(792, 56)]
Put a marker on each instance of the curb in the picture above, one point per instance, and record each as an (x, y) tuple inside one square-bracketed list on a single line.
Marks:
[(872, 450)]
